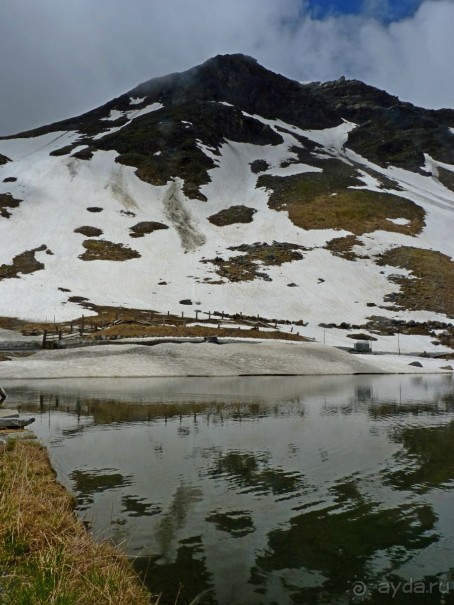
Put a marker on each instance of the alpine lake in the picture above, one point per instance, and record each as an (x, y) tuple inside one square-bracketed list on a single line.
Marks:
[(262, 490)]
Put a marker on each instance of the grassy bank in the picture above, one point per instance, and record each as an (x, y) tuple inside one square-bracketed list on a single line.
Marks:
[(46, 555)]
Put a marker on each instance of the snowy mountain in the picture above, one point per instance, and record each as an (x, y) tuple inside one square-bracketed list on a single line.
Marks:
[(234, 189)]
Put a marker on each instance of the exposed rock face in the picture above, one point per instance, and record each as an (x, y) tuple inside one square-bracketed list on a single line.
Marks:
[(390, 132)]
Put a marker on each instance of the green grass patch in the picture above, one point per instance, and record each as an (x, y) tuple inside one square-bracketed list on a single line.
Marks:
[(105, 250), (431, 287)]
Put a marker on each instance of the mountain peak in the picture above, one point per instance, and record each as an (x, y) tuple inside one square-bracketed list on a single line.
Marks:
[(237, 189)]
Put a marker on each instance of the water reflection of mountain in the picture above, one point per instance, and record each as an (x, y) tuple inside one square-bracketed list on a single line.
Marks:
[(337, 544), (262, 491), (427, 457), (136, 400)]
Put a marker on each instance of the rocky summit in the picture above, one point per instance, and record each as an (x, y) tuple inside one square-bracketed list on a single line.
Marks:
[(231, 189)]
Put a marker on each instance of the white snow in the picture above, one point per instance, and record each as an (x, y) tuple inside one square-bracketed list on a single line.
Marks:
[(202, 359), (329, 289), (19, 149), (114, 115), (332, 139), (399, 221), (135, 113), (136, 100)]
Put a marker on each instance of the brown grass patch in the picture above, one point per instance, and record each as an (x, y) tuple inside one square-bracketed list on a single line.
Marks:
[(145, 228), (432, 286), (46, 554), (183, 331), (326, 201), (232, 216), (89, 231), (22, 264), (246, 267), (7, 201), (104, 250), (342, 246)]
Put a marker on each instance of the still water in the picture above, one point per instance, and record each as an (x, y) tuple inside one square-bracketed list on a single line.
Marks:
[(270, 490)]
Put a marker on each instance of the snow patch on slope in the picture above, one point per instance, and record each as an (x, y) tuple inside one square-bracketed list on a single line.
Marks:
[(332, 139)]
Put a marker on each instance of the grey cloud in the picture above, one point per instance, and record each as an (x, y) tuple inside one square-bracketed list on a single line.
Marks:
[(63, 57)]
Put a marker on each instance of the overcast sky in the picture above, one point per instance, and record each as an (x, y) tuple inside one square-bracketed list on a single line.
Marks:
[(60, 58)]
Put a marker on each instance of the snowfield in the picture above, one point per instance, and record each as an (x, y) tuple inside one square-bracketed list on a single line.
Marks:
[(203, 359), (56, 192)]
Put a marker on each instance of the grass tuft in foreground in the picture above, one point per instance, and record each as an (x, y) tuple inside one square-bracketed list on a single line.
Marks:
[(46, 555)]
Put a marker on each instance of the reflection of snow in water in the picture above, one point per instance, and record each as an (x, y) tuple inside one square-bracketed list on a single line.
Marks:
[(262, 467)]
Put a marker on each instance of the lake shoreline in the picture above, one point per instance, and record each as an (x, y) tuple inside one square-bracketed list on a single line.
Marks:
[(52, 554)]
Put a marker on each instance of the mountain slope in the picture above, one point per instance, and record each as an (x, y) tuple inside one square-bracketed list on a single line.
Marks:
[(234, 189)]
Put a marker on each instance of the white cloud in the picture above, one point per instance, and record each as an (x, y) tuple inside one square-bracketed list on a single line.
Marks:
[(62, 58)]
